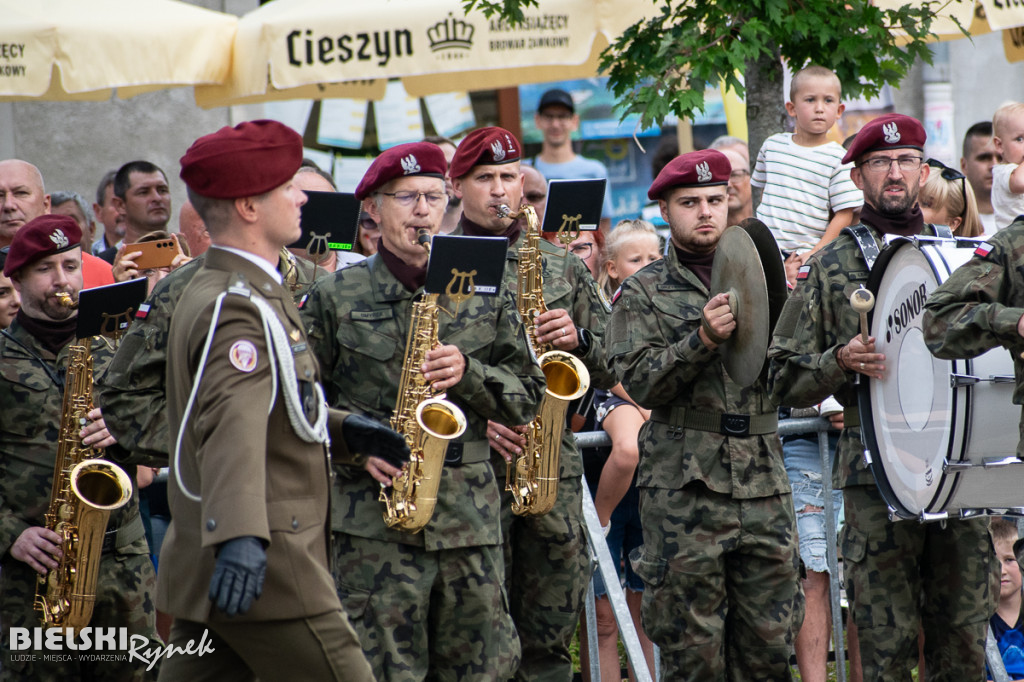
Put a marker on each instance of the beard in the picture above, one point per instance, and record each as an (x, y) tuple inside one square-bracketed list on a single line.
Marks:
[(894, 205)]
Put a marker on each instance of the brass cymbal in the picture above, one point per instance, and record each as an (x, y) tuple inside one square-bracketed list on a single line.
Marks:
[(749, 266)]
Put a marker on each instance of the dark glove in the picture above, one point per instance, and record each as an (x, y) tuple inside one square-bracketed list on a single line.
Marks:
[(238, 576), (367, 437)]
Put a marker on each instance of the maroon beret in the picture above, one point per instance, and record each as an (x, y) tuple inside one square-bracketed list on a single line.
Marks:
[(415, 158), (706, 168), (39, 238), (891, 131), (485, 147), (252, 158)]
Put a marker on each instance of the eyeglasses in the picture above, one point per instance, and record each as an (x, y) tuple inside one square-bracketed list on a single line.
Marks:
[(369, 224), (882, 164), (562, 117), (951, 175), (411, 198), (738, 175), (584, 250)]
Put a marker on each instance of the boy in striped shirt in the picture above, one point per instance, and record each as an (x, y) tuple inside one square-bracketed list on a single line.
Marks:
[(807, 196)]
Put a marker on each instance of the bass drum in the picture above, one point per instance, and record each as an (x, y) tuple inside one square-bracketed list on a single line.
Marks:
[(940, 434)]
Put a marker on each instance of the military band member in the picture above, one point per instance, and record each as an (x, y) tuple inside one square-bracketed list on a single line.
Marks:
[(981, 306), (719, 559), (132, 388), (546, 557), (245, 561), (427, 605), (45, 258), (902, 575)]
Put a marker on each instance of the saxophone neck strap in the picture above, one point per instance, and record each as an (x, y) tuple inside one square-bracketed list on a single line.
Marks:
[(865, 242)]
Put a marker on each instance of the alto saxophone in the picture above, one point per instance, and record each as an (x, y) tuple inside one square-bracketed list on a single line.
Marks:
[(85, 491), (532, 477), (427, 421)]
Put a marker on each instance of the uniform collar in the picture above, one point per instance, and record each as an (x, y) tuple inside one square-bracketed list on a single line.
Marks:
[(681, 272)]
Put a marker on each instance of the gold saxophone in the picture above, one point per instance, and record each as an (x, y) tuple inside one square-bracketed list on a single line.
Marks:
[(85, 490), (427, 421), (532, 477)]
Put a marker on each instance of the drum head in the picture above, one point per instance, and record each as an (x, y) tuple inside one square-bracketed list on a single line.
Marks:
[(908, 418)]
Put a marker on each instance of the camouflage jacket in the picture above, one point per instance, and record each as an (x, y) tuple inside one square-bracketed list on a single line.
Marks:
[(981, 303), (357, 322), (132, 388), (654, 345), (568, 285), (30, 414), (815, 323)]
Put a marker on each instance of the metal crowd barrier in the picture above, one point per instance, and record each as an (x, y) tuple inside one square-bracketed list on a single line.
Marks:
[(617, 598)]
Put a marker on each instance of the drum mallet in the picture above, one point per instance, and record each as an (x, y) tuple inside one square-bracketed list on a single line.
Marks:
[(863, 301)]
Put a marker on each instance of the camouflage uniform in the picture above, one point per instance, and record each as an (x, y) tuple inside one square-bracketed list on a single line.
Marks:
[(30, 416), (889, 565), (979, 306), (546, 557), (429, 604), (131, 388), (719, 561)]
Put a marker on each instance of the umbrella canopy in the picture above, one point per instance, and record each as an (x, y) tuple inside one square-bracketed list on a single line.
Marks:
[(977, 19), (74, 50), (319, 49)]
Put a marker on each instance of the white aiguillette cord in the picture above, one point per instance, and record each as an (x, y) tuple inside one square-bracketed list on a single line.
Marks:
[(277, 342)]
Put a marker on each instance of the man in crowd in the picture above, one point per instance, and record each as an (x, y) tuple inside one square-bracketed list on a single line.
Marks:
[(74, 205), (535, 190), (45, 259), (557, 120), (546, 556), (311, 179), (900, 576), (430, 604), (245, 561), (142, 196), (741, 206), (979, 157), (719, 559), (108, 215), (23, 198)]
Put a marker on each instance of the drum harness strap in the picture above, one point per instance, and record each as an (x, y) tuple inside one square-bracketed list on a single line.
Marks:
[(277, 345), (869, 249), (740, 425)]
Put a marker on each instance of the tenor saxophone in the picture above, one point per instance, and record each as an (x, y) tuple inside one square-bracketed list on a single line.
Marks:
[(426, 420), (532, 477), (85, 491)]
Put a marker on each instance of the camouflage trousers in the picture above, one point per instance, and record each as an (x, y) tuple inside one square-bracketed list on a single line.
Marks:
[(124, 598), (547, 563), (440, 615), (904, 575), (722, 594)]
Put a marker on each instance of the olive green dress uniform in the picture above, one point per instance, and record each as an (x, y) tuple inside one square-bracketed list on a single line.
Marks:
[(719, 560), (428, 605), (889, 565), (132, 388), (30, 415), (257, 478), (546, 557)]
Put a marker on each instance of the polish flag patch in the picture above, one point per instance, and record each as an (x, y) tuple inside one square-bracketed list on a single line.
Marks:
[(143, 312), (803, 273), (983, 249)]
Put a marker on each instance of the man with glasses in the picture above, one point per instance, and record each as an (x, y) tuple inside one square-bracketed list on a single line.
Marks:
[(904, 575), (546, 557), (556, 119), (430, 604)]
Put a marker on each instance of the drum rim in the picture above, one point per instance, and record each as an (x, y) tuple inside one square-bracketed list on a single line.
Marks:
[(947, 484)]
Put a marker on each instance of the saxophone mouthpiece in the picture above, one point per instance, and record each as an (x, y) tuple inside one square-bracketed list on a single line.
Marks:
[(66, 300), (423, 238), (504, 211)]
